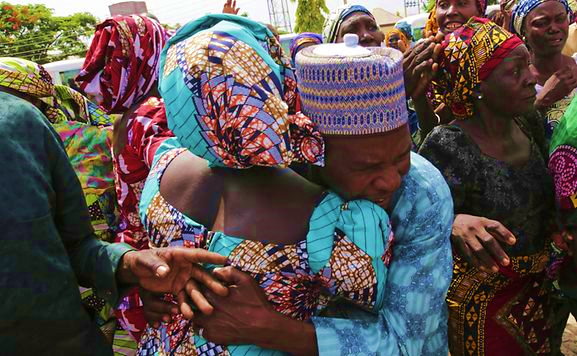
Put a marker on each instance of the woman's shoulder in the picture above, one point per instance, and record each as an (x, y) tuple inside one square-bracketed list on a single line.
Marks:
[(424, 185), (448, 132), (444, 140)]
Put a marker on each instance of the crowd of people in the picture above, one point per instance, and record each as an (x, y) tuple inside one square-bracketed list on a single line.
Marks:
[(206, 193)]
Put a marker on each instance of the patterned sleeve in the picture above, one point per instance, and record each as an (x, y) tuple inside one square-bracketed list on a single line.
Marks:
[(94, 262), (413, 316)]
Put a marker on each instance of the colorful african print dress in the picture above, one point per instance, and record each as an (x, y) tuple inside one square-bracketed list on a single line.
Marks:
[(508, 312), (145, 130), (391, 290), (563, 168)]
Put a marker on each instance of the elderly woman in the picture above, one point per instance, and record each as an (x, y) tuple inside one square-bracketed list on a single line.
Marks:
[(544, 26), (315, 252), (121, 74), (497, 171), (353, 19)]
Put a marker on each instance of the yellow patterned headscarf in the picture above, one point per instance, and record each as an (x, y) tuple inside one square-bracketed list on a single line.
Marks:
[(58, 102), (400, 34), (470, 55), (431, 26)]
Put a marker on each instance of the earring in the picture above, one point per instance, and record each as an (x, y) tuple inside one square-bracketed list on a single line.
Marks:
[(480, 96)]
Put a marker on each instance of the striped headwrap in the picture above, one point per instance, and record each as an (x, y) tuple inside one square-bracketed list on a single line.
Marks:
[(121, 65), (302, 39), (524, 7), (333, 22), (230, 95), (470, 54)]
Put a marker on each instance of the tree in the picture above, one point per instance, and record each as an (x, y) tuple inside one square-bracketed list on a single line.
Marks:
[(309, 15), (32, 32)]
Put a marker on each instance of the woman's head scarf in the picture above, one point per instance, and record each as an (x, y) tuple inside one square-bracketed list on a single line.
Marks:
[(432, 26), (406, 29), (524, 7), (302, 39), (470, 54), (401, 36), (58, 103), (230, 95), (122, 63), (336, 18)]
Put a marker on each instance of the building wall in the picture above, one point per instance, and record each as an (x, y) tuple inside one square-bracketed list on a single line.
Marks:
[(128, 8), (386, 27)]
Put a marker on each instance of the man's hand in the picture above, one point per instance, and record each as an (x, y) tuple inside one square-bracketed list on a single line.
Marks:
[(477, 239), (246, 317), (173, 270), (242, 316), (156, 308)]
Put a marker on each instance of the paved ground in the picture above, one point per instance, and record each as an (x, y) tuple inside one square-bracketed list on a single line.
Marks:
[(569, 346)]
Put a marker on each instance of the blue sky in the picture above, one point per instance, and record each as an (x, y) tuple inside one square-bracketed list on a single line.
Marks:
[(179, 11)]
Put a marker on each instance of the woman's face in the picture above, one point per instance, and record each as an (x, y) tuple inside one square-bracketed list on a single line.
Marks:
[(369, 166), (546, 28), (363, 26), (510, 89), (393, 41), (452, 14)]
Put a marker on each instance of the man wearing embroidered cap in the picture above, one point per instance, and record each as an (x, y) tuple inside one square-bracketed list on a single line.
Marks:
[(209, 97)]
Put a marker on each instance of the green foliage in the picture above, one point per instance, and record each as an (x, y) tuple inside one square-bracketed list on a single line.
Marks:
[(428, 5), (309, 17), (32, 32)]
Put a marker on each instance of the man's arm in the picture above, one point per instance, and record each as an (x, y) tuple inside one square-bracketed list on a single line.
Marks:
[(413, 320), (105, 266), (94, 262)]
